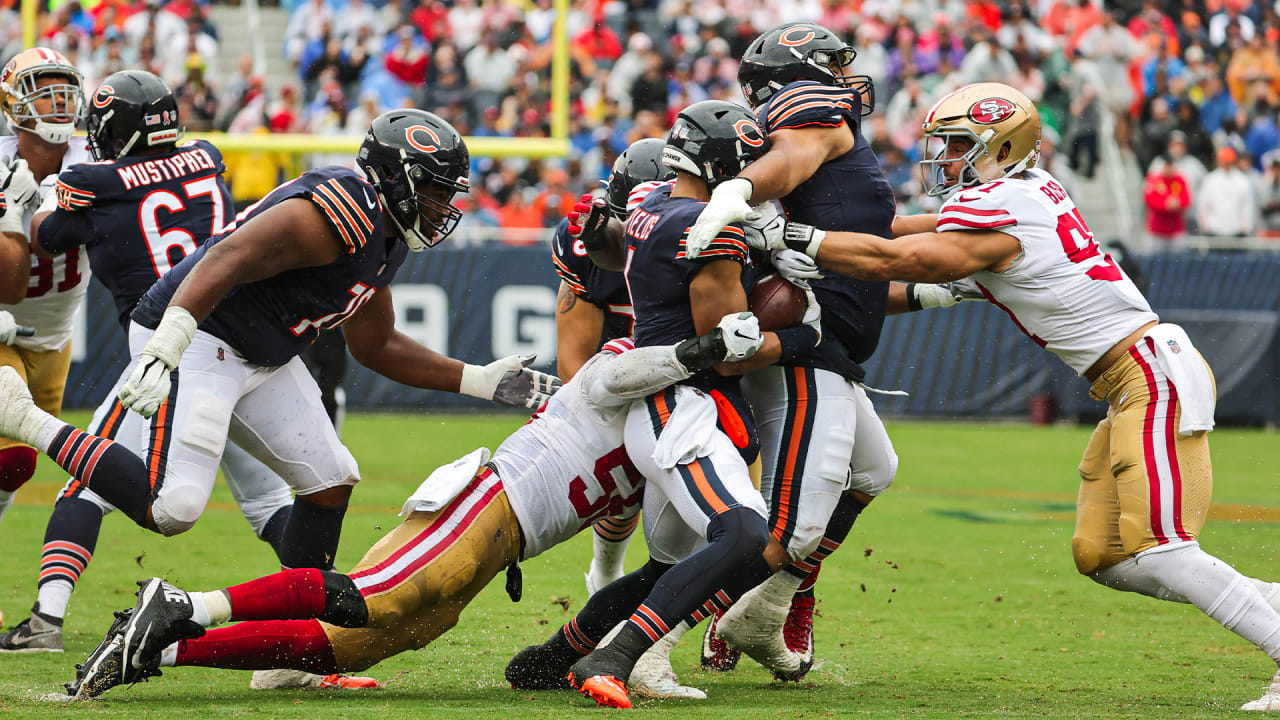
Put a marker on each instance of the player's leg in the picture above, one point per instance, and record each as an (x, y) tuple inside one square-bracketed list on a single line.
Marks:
[(45, 374), (326, 359), (264, 498), (281, 422), (609, 540)]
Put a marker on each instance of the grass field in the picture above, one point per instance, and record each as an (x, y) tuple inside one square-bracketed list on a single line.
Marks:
[(955, 595)]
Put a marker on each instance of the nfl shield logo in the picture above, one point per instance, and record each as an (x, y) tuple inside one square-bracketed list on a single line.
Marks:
[(1173, 346)]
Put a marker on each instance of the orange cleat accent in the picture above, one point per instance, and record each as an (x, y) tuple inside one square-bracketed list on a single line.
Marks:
[(606, 690), (348, 682)]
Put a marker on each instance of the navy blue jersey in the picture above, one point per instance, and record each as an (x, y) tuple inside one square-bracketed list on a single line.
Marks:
[(851, 194), (270, 321), (139, 216), (605, 289)]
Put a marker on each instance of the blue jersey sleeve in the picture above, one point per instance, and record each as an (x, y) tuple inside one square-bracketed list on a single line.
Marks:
[(79, 186), (806, 104), (348, 203), (63, 231), (729, 244)]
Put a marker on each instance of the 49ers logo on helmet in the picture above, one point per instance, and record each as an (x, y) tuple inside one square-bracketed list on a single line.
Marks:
[(796, 36), (991, 110), (104, 96), (430, 144), (748, 132)]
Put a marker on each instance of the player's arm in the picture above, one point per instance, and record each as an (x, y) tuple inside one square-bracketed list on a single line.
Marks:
[(794, 156), (912, 224), (15, 267), (717, 291), (375, 343), (18, 190), (55, 230), (931, 257), (579, 325)]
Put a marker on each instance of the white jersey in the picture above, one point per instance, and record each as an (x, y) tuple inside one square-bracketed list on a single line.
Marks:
[(56, 286), (1062, 290), (567, 467)]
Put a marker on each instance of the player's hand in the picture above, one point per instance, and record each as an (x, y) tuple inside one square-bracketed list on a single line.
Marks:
[(20, 190), (765, 228), (741, 335), (8, 328), (148, 384), (926, 296), (796, 267), (965, 289), (812, 312), (730, 203), (509, 381), (589, 221)]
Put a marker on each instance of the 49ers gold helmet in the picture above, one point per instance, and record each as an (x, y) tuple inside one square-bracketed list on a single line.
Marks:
[(994, 116), (19, 92)]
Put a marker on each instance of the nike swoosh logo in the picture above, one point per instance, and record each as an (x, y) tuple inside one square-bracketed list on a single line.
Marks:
[(371, 199), (738, 333), (1123, 398)]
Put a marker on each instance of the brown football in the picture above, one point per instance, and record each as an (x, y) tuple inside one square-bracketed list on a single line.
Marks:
[(777, 303)]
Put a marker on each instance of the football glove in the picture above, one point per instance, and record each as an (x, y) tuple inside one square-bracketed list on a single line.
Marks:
[(509, 381), (812, 312), (589, 221), (8, 328), (803, 238), (148, 385), (742, 336), (796, 267), (965, 289), (730, 203), (926, 296), (20, 190)]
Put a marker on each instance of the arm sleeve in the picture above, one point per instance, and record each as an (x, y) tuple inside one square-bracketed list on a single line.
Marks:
[(618, 379), (807, 104), (346, 204), (63, 230), (729, 244)]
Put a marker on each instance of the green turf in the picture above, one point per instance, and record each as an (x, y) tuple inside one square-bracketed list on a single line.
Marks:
[(954, 596)]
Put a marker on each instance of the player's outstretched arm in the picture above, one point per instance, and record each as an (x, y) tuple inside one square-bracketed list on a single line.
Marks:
[(578, 328), (912, 224), (929, 257)]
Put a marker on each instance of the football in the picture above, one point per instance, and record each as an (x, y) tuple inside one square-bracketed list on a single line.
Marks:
[(777, 303)]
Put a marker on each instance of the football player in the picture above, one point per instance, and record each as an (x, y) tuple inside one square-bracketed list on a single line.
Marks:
[(1012, 230), (131, 233), (220, 334), (42, 99), (552, 478), (692, 442), (825, 452)]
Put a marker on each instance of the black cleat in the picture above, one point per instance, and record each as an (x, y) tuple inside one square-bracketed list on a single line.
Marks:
[(161, 618), (538, 668), (105, 668)]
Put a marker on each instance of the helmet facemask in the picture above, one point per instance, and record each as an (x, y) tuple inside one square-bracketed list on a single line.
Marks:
[(422, 220), (67, 100), (978, 165)]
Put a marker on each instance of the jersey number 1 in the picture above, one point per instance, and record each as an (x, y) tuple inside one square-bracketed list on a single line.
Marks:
[(168, 247)]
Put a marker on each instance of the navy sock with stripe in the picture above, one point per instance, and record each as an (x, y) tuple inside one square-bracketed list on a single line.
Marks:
[(311, 535), (110, 470), (69, 541)]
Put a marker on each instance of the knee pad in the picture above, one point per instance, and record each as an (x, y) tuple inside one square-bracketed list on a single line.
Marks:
[(344, 606), (205, 428), (743, 529), (177, 511), (17, 465), (1092, 555)]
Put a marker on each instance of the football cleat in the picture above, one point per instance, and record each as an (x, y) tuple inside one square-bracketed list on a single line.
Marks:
[(798, 634), (716, 653), (1270, 700), (338, 681), (754, 625), (161, 618), (653, 676), (20, 419), (105, 667), (538, 668), (597, 676), (284, 679), (37, 633)]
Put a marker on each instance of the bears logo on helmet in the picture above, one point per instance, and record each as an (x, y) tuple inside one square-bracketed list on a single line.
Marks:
[(800, 51), (131, 112), (749, 132), (428, 147), (802, 33), (104, 96)]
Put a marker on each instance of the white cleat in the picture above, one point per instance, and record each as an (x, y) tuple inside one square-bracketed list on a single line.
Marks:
[(20, 419), (283, 680), (1270, 700), (653, 677), (753, 625)]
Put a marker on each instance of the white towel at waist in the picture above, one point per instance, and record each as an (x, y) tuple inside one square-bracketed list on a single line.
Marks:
[(1189, 374), (445, 483), (688, 431)]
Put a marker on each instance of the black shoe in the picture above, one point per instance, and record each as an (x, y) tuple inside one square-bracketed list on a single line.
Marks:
[(602, 675), (538, 667), (161, 618), (38, 633), (105, 667)]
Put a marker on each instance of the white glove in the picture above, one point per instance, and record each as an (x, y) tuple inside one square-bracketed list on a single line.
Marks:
[(20, 190), (928, 296), (8, 327), (742, 337), (148, 385), (48, 204), (796, 267), (965, 289), (803, 238), (813, 311), (730, 203), (509, 381), (765, 232)]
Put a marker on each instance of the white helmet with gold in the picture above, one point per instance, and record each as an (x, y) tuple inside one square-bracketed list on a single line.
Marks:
[(20, 91), (1003, 125)]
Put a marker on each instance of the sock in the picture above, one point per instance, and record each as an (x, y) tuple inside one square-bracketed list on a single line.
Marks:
[(311, 535), (119, 476), (169, 655), (70, 538), (287, 595), (209, 609), (609, 541), (1218, 590), (841, 523), (608, 607), (1129, 576), (265, 645), (6, 499), (273, 532)]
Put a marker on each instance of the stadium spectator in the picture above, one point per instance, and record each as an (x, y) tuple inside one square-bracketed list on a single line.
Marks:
[(1229, 18), (1269, 195), (599, 42), (1226, 204), (354, 17), (1263, 135), (1218, 104), (309, 21), (1254, 73), (1085, 116), (1167, 196), (431, 17), (1153, 136)]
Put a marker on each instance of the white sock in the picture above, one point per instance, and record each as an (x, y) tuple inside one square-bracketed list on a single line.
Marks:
[(607, 555), (209, 609), (169, 656), (780, 588), (1218, 590), (53, 596), (1127, 576), (6, 499), (48, 431), (668, 642)]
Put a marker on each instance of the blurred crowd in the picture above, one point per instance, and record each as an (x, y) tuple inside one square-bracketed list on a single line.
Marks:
[(1189, 89)]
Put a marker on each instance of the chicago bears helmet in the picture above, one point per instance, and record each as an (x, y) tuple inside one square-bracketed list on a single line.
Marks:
[(21, 91), (131, 111), (714, 140), (639, 163), (800, 51), (417, 162), (1000, 121)]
